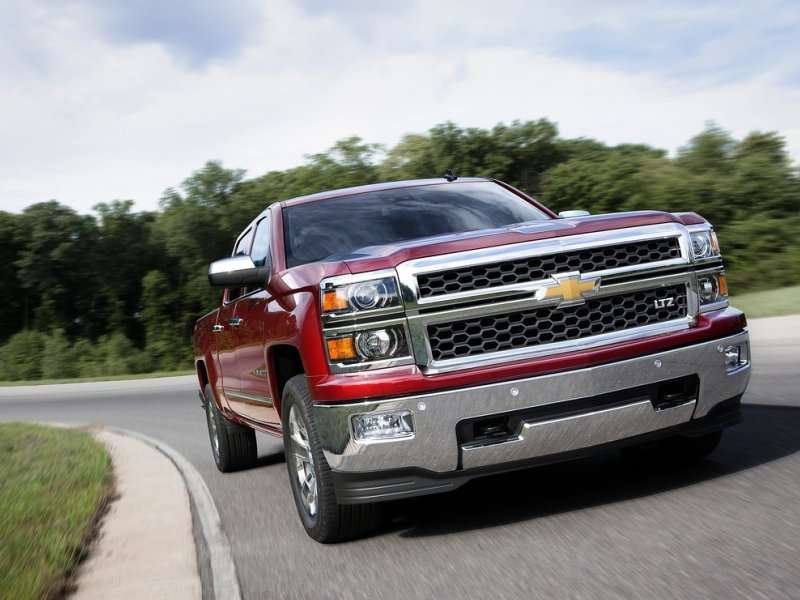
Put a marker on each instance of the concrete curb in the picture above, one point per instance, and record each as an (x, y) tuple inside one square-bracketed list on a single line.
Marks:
[(145, 545), (224, 580)]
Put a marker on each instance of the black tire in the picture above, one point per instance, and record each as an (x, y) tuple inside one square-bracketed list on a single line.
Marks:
[(235, 448), (331, 521), (678, 450)]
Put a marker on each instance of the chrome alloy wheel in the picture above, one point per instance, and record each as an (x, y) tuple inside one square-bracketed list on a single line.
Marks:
[(212, 429), (303, 460)]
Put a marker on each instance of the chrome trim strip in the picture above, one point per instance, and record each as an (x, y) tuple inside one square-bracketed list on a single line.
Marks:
[(350, 328), (334, 320), (706, 308), (266, 400), (337, 367)]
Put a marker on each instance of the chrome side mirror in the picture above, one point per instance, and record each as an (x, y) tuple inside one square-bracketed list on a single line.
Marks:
[(237, 271), (566, 214)]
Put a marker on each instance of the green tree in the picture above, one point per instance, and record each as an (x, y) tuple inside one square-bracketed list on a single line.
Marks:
[(161, 332), (58, 359), (56, 268), (125, 252), (14, 313), (21, 356)]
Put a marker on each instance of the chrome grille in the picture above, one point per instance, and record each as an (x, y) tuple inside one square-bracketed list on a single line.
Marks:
[(526, 328), (540, 267)]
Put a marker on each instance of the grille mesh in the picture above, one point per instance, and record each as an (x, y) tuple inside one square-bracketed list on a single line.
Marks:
[(541, 267), (553, 324)]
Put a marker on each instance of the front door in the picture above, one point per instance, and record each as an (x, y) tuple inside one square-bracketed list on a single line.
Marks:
[(227, 328), (226, 349), (254, 399)]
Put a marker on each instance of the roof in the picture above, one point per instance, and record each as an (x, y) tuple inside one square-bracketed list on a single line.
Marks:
[(377, 187)]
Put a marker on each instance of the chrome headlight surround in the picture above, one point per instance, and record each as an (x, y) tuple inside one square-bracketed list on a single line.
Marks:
[(364, 322), (703, 244), (371, 346), (711, 289), (350, 296), (710, 284)]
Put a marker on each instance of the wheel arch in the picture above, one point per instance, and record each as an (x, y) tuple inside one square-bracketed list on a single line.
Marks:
[(203, 380), (202, 376), (285, 362)]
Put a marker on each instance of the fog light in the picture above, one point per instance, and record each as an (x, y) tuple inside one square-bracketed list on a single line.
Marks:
[(383, 426), (735, 356), (708, 288), (379, 343)]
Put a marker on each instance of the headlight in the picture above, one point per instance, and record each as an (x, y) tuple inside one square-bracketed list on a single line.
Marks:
[(360, 296), (704, 244), (712, 288), (368, 345)]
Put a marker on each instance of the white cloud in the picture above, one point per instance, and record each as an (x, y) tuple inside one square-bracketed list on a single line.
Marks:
[(85, 119)]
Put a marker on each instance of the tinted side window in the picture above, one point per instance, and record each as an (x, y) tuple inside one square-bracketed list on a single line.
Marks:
[(242, 248), (260, 252), (243, 245)]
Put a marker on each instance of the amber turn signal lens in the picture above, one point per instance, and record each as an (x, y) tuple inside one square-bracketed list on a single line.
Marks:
[(714, 242), (334, 300), (341, 348), (723, 285)]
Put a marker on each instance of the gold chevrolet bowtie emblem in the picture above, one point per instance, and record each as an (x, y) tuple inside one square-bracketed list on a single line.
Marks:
[(571, 288)]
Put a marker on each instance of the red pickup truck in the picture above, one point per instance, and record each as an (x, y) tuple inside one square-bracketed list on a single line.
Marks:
[(404, 338)]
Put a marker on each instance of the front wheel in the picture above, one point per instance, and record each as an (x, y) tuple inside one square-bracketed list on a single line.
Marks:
[(233, 445), (323, 518)]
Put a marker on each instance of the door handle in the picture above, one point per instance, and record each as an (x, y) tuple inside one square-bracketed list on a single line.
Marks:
[(235, 321), (218, 328)]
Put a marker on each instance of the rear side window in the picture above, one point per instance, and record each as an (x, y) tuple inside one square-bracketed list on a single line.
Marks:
[(337, 227)]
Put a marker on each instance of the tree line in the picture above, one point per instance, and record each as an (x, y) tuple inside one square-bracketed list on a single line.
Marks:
[(117, 291)]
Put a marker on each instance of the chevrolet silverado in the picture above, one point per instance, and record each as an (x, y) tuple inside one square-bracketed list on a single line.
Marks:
[(404, 338)]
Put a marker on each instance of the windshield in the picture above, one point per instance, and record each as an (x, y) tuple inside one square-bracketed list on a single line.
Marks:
[(338, 226)]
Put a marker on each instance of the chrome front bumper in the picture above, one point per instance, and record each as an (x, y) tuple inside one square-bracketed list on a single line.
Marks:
[(435, 448)]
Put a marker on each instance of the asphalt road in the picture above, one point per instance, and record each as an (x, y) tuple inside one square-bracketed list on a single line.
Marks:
[(600, 527)]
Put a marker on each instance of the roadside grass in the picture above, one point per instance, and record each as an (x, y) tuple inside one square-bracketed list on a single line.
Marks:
[(53, 483), (771, 303), (101, 378)]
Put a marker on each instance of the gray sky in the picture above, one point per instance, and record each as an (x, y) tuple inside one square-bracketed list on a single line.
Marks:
[(103, 99)]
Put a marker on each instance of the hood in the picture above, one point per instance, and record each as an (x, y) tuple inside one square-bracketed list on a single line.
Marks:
[(390, 255)]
